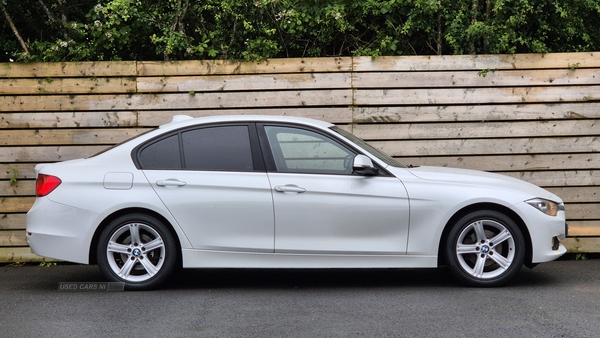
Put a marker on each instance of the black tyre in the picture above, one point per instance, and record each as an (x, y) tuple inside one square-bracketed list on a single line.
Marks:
[(137, 249), (485, 248)]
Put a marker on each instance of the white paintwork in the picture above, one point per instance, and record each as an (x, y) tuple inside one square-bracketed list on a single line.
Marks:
[(340, 214), (220, 210), (244, 220)]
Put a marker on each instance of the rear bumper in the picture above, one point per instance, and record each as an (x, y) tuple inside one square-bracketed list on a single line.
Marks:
[(61, 232)]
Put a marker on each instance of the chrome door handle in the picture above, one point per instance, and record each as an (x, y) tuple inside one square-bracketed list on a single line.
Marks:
[(170, 183), (289, 188)]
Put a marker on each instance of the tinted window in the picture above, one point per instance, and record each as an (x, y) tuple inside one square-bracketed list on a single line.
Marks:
[(162, 154), (304, 151), (218, 148)]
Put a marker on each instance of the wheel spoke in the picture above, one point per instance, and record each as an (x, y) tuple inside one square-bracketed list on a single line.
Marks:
[(479, 231), (501, 237), (126, 268), (463, 249), (117, 248), (479, 266), (501, 260), (154, 244), (150, 269), (134, 231)]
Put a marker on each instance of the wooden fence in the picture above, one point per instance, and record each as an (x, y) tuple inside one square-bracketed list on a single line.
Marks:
[(535, 117)]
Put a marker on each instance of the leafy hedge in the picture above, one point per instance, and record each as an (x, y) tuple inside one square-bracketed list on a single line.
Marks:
[(76, 30)]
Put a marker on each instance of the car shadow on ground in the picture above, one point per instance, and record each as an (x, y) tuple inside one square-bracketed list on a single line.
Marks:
[(331, 278), (43, 278)]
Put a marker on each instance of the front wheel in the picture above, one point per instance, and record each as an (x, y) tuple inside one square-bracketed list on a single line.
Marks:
[(137, 249), (485, 248)]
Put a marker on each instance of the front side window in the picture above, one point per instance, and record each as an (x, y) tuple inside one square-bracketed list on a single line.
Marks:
[(303, 151)]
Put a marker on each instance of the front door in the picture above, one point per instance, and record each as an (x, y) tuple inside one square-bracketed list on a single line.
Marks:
[(321, 207)]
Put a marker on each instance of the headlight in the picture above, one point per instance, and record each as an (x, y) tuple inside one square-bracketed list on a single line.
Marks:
[(547, 207)]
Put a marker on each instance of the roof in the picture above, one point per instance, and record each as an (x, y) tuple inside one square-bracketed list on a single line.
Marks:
[(184, 120)]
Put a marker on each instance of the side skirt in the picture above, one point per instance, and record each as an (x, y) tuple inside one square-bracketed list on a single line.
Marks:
[(227, 259)]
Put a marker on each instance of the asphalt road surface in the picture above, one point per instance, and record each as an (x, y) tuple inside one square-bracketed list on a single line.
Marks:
[(557, 299)]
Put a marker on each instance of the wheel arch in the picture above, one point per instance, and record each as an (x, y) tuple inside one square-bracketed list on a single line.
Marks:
[(485, 206), (92, 254)]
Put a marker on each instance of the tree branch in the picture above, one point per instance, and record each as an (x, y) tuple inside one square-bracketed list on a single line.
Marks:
[(15, 30), (61, 25)]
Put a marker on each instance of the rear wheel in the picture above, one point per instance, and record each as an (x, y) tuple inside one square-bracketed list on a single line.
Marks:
[(485, 248), (137, 249)]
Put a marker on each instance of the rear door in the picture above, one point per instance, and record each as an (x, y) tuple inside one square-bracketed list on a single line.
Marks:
[(212, 180)]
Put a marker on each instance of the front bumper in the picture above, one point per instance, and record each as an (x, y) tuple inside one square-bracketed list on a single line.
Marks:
[(546, 232)]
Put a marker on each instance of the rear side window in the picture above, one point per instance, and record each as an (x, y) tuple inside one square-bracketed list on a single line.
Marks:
[(218, 148)]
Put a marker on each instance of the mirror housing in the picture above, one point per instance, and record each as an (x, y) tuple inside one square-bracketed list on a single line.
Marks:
[(363, 165)]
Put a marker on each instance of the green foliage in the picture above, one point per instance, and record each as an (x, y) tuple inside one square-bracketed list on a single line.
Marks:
[(47, 264), (581, 257), (257, 29), (13, 176), (484, 72)]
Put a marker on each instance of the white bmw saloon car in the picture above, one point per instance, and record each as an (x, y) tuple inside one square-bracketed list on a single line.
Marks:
[(283, 192)]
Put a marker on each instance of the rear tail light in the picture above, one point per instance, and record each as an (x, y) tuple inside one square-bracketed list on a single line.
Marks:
[(45, 184)]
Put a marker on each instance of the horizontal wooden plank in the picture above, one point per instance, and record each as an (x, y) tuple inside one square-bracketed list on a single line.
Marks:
[(154, 118), (582, 211), (33, 119), (482, 112), (329, 114), (177, 101), (504, 163), (488, 113), (473, 78), (15, 204), (558, 178), (465, 130), (21, 255), (489, 146), (43, 154), (584, 228), (577, 194), (67, 69), (292, 65), (20, 171), (244, 82), (19, 188), (13, 221), (582, 244), (443, 96), (232, 67), (106, 136), (87, 85), (12, 238), (480, 62)]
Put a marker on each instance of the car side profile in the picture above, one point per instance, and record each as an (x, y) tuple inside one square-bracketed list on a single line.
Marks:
[(283, 192)]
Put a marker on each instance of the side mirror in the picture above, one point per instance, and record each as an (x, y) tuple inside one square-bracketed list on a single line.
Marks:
[(363, 165)]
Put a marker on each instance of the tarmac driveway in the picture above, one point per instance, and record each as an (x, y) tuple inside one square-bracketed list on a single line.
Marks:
[(557, 299)]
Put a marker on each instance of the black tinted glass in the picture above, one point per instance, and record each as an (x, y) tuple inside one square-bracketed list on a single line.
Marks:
[(163, 154), (218, 148)]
